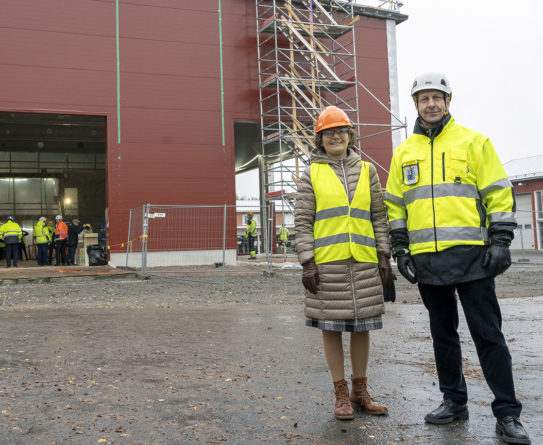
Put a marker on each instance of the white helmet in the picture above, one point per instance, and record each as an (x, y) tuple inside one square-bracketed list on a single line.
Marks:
[(43, 219), (431, 81), (58, 217)]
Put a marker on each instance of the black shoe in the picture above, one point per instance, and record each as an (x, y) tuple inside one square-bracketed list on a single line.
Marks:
[(510, 430), (447, 412)]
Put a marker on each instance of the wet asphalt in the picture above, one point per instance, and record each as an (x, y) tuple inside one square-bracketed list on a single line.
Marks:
[(237, 374)]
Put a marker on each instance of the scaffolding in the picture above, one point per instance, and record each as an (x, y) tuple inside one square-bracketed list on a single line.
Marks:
[(306, 61)]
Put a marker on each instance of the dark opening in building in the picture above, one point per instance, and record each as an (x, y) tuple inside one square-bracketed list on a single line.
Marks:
[(52, 164)]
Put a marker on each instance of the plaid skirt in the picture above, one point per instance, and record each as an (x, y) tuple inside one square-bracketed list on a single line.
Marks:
[(366, 324)]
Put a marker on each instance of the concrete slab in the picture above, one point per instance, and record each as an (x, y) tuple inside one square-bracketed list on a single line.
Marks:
[(49, 274)]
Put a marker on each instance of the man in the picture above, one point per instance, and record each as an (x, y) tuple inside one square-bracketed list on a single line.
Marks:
[(41, 238), (22, 246), (49, 230), (61, 235), (74, 229), (283, 238), (451, 211), (250, 235), (11, 234)]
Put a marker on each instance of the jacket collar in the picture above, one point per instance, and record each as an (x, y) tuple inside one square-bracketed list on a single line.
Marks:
[(318, 155), (432, 132)]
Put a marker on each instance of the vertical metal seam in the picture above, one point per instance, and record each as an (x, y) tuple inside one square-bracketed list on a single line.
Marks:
[(118, 72), (222, 74)]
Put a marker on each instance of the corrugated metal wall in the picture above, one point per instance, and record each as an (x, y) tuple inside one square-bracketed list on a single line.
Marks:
[(60, 56)]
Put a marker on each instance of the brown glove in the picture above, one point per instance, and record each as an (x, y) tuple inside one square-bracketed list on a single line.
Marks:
[(387, 277), (310, 276)]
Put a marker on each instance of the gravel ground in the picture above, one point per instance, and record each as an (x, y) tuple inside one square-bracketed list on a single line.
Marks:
[(244, 284), (170, 361)]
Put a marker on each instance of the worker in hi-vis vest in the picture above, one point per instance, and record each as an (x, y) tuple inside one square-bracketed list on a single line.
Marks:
[(41, 238), (61, 236), (282, 235), (451, 210), (250, 235), (11, 234)]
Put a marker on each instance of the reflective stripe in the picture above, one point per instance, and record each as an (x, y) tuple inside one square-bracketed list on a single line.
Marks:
[(448, 234), (362, 240), (395, 199), (501, 217), (12, 232), (331, 213), (361, 214), (333, 239), (398, 224), (441, 191), (498, 185)]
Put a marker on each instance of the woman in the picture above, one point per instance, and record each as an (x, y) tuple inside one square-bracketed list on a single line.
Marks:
[(343, 245)]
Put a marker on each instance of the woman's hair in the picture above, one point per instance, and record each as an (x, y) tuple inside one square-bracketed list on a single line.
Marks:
[(318, 139)]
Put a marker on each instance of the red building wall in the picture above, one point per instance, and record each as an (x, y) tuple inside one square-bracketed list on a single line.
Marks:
[(59, 56), (530, 186)]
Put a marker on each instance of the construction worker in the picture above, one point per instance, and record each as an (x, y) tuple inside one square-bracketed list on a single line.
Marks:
[(41, 238), (250, 235), (50, 231), (451, 211), (343, 246), (283, 238), (74, 229), (22, 246), (61, 236), (11, 234)]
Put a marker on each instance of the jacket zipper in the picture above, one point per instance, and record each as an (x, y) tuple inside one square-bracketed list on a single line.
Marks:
[(350, 261), (443, 164), (432, 178)]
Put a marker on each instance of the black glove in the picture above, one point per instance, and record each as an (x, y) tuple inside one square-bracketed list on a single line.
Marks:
[(385, 270), (498, 257), (310, 276), (406, 265)]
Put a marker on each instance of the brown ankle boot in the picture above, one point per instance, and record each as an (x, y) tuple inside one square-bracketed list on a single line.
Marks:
[(360, 395), (343, 409)]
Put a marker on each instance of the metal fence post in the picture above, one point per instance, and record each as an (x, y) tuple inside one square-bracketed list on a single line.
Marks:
[(128, 238), (144, 237), (223, 246)]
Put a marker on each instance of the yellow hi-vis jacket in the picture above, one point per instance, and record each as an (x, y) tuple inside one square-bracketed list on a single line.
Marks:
[(283, 234), (342, 229), (250, 229), (41, 234), (446, 191), (11, 232)]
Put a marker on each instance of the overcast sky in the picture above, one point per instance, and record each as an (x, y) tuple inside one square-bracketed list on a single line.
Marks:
[(492, 53)]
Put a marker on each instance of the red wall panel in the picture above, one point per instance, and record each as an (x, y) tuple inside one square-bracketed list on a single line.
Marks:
[(61, 57)]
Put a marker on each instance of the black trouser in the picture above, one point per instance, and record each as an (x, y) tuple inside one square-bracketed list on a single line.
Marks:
[(12, 252), (60, 252), (50, 253), (484, 321)]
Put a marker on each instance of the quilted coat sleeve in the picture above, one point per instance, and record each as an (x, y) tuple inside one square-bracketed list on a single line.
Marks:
[(304, 217), (378, 214)]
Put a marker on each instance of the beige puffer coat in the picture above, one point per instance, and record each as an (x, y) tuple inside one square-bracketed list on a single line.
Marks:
[(348, 290)]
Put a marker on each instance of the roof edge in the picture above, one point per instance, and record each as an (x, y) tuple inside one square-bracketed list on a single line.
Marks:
[(380, 13)]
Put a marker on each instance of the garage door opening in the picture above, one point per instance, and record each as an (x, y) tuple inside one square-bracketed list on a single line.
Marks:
[(52, 164)]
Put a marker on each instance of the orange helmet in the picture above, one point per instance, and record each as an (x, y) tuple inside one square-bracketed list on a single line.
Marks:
[(332, 117)]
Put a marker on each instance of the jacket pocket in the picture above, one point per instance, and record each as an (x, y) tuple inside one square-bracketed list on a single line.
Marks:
[(456, 170)]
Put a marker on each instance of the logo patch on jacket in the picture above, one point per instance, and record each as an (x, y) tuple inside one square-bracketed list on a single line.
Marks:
[(411, 174)]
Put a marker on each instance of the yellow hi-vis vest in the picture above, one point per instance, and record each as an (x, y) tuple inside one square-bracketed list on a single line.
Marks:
[(342, 230)]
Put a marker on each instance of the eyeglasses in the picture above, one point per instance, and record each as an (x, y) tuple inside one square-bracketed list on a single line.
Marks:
[(332, 131)]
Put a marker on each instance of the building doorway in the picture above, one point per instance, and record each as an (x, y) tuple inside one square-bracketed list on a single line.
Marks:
[(52, 164)]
